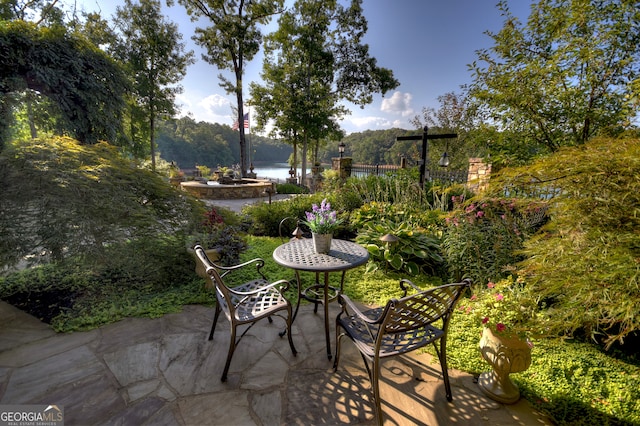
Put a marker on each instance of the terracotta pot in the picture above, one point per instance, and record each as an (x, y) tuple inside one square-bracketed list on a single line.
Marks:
[(322, 242), (506, 355)]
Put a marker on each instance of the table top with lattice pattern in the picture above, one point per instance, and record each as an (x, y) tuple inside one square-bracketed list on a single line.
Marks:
[(300, 255)]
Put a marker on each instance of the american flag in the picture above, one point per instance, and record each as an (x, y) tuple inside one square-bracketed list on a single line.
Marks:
[(246, 122)]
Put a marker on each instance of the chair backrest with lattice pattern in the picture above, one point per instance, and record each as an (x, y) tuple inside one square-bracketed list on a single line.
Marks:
[(422, 309)]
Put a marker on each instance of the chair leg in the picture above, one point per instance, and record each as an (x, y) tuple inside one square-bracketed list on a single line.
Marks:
[(442, 355), (232, 347), (338, 341), (289, 321), (215, 320), (375, 386)]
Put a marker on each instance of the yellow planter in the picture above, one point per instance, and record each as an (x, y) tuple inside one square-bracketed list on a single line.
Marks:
[(506, 355)]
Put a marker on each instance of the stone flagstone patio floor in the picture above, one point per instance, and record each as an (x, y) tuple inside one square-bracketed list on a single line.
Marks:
[(164, 371)]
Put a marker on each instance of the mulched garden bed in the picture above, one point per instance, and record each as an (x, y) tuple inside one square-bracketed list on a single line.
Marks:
[(43, 305)]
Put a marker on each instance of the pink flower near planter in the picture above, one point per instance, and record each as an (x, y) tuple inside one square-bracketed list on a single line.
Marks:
[(490, 284), (499, 297), (500, 327)]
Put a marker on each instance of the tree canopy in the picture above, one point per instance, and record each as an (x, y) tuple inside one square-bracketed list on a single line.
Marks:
[(85, 86), (313, 62), (156, 61), (567, 75), (233, 38)]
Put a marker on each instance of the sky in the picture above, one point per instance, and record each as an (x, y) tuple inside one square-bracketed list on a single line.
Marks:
[(428, 44)]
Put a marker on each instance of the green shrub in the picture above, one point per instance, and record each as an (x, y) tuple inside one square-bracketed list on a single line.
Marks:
[(131, 280), (584, 264), (484, 236), (415, 250), (63, 199), (265, 218), (291, 188), (378, 212)]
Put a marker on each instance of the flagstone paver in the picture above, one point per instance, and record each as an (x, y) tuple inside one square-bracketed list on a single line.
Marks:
[(165, 371)]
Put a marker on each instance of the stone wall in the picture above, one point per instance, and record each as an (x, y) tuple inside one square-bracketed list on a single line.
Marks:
[(249, 188)]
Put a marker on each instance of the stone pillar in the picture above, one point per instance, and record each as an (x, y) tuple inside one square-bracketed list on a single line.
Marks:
[(342, 165), (478, 175), (292, 176)]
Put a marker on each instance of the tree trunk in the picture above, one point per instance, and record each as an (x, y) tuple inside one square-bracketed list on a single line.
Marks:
[(152, 139), (32, 125), (243, 146), (305, 145)]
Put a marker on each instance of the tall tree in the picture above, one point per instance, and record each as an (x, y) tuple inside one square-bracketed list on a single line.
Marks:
[(566, 75), (151, 48), (313, 62), (232, 39)]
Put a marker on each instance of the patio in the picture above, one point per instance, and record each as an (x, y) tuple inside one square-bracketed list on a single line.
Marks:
[(164, 371)]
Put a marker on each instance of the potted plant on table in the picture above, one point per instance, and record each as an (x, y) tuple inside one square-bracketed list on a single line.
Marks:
[(507, 313), (323, 222), (222, 241)]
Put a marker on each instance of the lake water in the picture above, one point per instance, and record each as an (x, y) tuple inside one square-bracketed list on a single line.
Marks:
[(275, 171)]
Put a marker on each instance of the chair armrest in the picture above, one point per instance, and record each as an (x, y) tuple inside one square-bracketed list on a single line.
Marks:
[(227, 269), (348, 305), (404, 287), (260, 289)]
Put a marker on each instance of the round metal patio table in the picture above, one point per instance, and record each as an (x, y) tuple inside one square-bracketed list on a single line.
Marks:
[(299, 255)]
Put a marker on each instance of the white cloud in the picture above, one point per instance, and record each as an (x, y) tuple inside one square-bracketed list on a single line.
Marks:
[(398, 104), (212, 109), (370, 122), (184, 104), (216, 105)]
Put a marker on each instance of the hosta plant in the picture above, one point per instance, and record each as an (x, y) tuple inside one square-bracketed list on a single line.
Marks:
[(415, 251)]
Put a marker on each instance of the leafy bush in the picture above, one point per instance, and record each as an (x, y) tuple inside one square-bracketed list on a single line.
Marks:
[(61, 200), (133, 279), (377, 212), (219, 230), (415, 250), (265, 218), (291, 188), (484, 236), (584, 264)]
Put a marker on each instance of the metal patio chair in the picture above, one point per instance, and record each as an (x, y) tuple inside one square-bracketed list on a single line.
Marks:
[(246, 303), (402, 325)]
